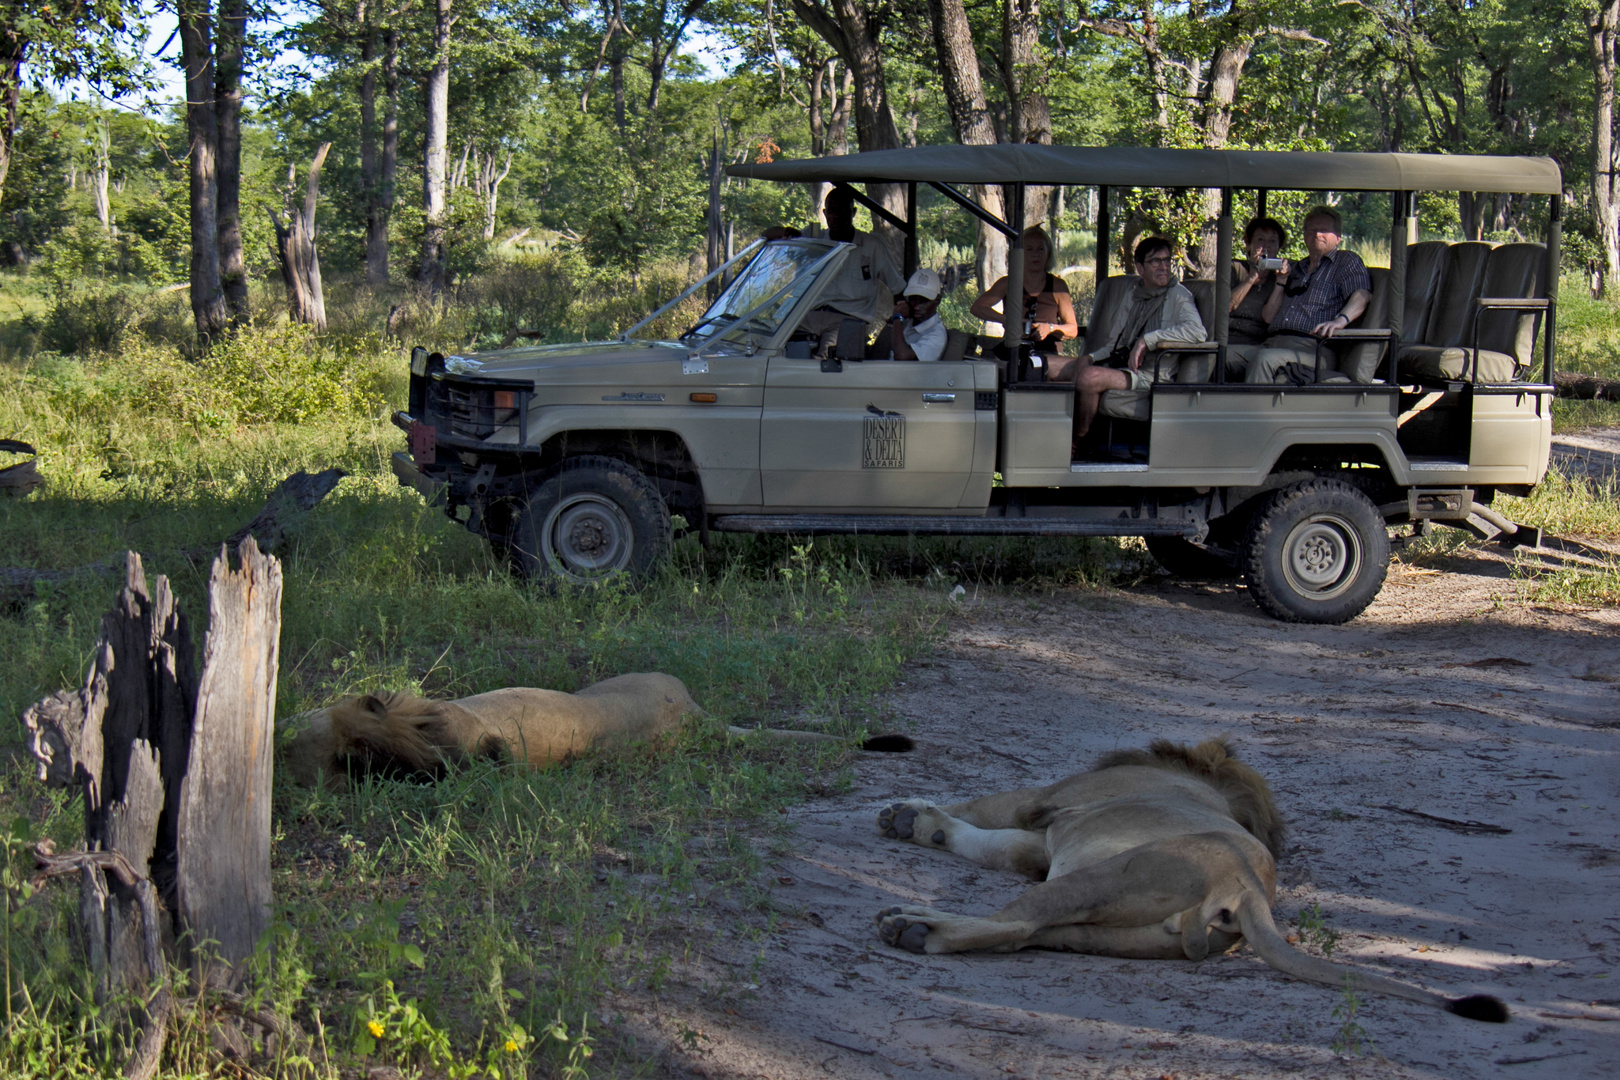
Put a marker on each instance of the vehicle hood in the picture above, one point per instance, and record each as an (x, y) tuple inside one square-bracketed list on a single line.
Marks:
[(593, 361)]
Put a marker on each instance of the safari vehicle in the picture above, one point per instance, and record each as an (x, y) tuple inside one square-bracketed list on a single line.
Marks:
[(572, 458)]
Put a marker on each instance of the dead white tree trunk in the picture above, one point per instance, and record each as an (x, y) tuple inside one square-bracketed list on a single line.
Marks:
[(488, 185), (175, 772), (295, 242), (103, 174)]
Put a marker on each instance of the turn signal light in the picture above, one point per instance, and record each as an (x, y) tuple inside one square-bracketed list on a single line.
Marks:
[(506, 399), (707, 398)]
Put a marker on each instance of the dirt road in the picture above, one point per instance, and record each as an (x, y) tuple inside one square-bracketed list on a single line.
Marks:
[(1441, 700)]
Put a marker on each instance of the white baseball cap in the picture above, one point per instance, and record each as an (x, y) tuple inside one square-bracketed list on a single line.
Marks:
[(924, 283)]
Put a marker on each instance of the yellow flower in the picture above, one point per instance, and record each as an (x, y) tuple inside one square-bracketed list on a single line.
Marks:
[(511, 1046), (376, 1029)]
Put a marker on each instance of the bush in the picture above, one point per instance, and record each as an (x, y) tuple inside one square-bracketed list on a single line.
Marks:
[(86, 318)]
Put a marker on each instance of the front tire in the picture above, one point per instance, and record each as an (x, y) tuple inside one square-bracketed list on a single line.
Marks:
[(1317, 551), (590, 519)]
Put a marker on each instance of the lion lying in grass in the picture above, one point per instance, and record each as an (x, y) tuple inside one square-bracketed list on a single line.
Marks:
[(401, 734), (1156, 853)]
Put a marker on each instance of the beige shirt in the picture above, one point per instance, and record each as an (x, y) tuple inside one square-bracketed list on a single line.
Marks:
[(1179, 322), (854, 290)]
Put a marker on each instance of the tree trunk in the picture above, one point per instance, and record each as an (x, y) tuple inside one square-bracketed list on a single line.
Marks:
[(102, 175), (208, 306), (370, 167), (223, 883), (970, 117), (458, 178), (852, 30), (436, 151), (230, 32), (11, 60), (1603, 27), (381, 207), (295, 243), (616, 66), (489, 189), (716, 236), (175, 775)]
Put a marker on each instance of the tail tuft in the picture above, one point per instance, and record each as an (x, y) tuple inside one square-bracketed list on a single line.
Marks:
[(889, 744), (1483, 1007)]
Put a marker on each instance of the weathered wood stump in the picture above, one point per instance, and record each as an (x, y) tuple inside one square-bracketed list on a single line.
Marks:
[(175, 770)]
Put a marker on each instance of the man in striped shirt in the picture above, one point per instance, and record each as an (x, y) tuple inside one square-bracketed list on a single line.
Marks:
[(1320, 296)]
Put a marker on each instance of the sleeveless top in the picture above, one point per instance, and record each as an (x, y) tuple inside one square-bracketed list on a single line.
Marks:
[(1042, 307), (1245, 326)]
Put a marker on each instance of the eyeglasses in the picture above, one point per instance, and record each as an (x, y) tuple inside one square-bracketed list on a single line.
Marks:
[(1163, 260)]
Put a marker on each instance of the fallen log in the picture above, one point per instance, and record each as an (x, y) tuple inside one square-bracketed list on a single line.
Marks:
[(1586, 387), (23, 477)]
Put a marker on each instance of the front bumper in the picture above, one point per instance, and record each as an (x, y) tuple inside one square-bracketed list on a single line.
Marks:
[(432, 488)]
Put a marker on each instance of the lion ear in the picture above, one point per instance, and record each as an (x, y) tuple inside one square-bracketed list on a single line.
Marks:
[(370, 703)]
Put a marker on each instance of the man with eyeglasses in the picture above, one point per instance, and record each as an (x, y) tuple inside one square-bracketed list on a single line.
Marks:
[(1154, 312), (1312, 299)]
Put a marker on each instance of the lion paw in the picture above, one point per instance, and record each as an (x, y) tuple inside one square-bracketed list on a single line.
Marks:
[(914, 820), (904, 928)]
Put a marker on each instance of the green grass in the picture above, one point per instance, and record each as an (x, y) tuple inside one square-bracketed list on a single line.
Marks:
[(478, 921)]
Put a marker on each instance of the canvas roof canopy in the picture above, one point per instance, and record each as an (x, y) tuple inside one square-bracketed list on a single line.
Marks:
[(1153, 167)]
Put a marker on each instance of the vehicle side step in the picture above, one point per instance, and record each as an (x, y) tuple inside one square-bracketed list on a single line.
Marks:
[(902, 525)]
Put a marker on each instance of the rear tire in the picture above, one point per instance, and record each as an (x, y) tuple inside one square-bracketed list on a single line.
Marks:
[(590, 519), (1185, 559), (1317, 551)]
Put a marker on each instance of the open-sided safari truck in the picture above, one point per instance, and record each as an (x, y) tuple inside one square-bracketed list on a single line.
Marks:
[(572, 458)]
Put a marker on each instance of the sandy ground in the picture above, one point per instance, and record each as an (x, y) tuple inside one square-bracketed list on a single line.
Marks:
[(1448, 697)]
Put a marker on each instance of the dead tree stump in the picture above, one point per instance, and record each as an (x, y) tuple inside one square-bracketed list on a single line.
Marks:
[(175, 770)]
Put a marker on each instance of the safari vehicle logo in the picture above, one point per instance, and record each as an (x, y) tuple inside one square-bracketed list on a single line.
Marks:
[(885, 445)]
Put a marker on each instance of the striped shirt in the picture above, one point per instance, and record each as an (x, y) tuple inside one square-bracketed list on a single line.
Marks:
[(1312, 298)]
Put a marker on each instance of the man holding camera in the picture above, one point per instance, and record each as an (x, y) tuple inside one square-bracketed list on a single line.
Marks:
[(1310, 300)]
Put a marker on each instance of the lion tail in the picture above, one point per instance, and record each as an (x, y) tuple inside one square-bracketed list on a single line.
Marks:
[(1254, 916), (877, 744), (392, 733)]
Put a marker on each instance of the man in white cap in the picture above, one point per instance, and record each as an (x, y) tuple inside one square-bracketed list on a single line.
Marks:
[(917, 332)]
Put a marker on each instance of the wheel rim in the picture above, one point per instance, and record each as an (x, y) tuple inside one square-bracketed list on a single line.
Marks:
[(1321, 556), (586, 537)]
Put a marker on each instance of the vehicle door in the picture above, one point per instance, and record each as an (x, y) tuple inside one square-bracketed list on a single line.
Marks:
[(874, 434)]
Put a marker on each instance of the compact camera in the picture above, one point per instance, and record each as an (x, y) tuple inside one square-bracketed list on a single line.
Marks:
[(1271, 264)]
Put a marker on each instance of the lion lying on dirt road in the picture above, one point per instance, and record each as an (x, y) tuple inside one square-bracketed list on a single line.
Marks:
[(406, 735), (1157, 853)]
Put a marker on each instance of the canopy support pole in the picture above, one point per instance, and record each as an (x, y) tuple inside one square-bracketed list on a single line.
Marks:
[(877, 208), (1012, 306), (1223, 281), (1401, 235), (972, 207), (1260, 203), (911, 229), (1102, 234), (1549, 274)]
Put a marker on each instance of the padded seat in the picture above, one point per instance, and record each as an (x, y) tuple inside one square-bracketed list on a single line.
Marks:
[(1425, 263), (1506, 339)]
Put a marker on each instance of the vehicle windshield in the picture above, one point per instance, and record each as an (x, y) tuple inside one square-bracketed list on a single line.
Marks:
[(777, 265)]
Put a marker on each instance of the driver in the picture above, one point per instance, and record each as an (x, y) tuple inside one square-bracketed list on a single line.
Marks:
[(853, 293)]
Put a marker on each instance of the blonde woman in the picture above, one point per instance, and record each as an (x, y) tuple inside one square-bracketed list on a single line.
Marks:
[(1048, 309)]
